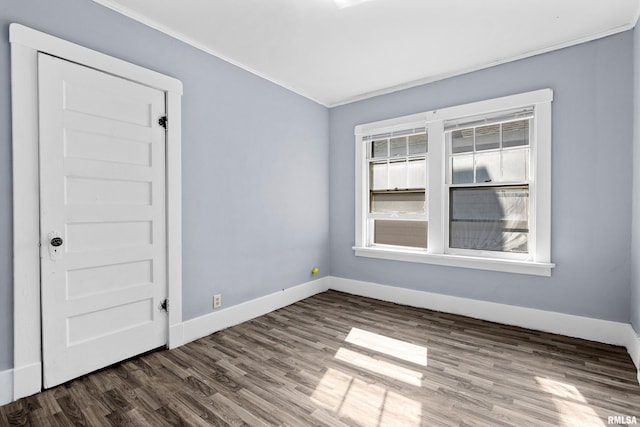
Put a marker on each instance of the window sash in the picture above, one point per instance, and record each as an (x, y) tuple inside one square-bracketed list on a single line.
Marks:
[(496, 173), (499, 222), (496, 165)]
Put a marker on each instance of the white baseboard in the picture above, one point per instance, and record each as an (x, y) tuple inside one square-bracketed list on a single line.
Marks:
[(633, 345), (176, 335), (222, 319), (616, 333), (603, 331), (633, 348), (6, 386), (27, 380)]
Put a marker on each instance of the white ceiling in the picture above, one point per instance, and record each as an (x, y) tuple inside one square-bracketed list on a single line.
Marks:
[(337, 51)]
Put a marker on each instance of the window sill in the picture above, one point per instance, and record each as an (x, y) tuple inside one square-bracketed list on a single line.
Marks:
[(492, 264)]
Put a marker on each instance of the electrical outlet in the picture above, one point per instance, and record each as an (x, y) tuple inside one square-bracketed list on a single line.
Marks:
[(217, 300)]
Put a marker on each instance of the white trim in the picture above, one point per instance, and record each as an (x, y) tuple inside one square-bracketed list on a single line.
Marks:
[(26, 251), (436, 194), (173, 179), (6, 386), (42, 42), (636, 18), (117, 7), (450, 260), (633, 346), (25, 45), (27, 379), (392, 125), (541, 182), (468, 70), (604, 331), (145, 20), (493, 105), (225, 318)]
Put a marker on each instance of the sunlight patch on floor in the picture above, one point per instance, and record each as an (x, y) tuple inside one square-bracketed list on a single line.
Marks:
[(364, 403), (332, 390), (380, 367), (363, 399), (571, 405), (390, 346)]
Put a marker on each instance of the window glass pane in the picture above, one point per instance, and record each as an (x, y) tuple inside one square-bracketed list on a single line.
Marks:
[(397, 175), (398, 202), (490, 219), (462, 169), (380, 148), (488, 167), (515, 165), (378, 175), (400, 233), (515, 133), (462, 141), (488, 137), (418, 144), (416, 173), (398, 146)]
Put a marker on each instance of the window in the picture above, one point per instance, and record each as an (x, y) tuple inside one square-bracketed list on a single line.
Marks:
[(488, 183), (397, 184), (464, 186)]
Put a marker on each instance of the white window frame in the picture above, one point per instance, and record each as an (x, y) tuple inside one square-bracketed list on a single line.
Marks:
[(537, 261)]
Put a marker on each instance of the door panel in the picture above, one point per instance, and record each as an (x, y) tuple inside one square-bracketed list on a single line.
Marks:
[(102, 190)]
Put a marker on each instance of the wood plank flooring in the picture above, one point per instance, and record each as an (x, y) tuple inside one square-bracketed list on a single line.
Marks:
[(340, 360)]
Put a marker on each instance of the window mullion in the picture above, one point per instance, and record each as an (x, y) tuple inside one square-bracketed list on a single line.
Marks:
[(435, 193), (362, 174)]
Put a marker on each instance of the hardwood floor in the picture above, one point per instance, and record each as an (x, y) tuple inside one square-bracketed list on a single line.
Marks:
[(340, 360)]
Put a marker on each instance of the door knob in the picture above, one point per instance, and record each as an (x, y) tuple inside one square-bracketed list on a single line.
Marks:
[(55, 240)]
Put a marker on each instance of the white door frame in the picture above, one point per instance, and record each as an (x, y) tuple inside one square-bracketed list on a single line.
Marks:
[(25, 45)]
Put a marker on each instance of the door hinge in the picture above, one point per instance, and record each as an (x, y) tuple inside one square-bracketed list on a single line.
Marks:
[(163, 121), (164, 305)]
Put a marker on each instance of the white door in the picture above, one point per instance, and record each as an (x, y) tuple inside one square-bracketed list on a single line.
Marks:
[(102, 200)]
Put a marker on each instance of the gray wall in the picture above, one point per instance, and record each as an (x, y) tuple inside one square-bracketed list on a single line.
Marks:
[(635, 231), (265, 172), (591, 173), (255, 183)]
